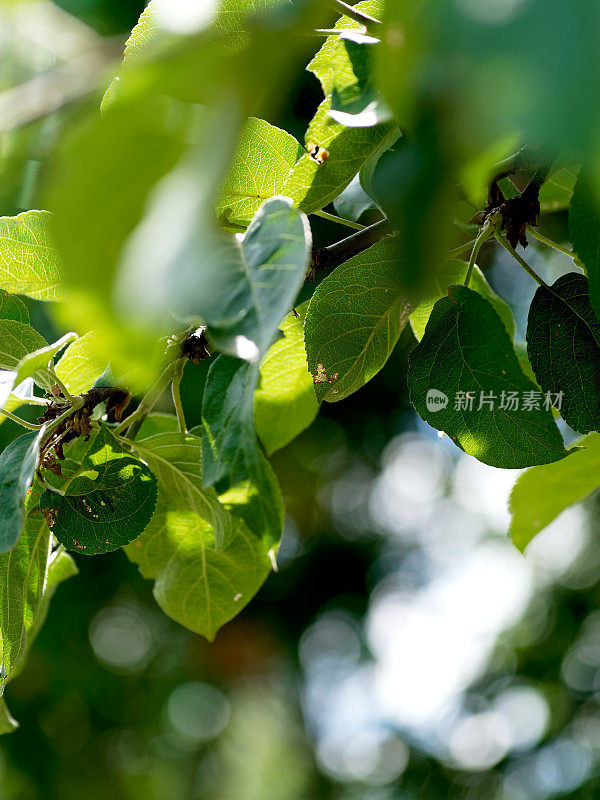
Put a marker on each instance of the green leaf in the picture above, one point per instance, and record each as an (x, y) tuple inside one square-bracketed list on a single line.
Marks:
[(81, 364), (312, 186), (264, 156), (107, 503), (243, 286), (11, 401), (584, 226), (353, 201), (354, 320), (541, 493), (157, 423), (16, 341), (467, 350), (274, 257), (557, 190), (176, 460), (29, 575), (454, 272), (12, 307), (29, 264), (563, 344), (230, 447), (196, 585), (330, 64), (40, 359), (17, 468), (285, 402)]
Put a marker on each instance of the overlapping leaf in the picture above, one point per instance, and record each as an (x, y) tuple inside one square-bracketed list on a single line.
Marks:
[(285, 402), (354, 320), (454, 272), (12, 307), (542, 493), (29, 575), (563, 344), (461, 377), (17, 340), (81, 364), (106, 503), (29, 264), (264, 156), (40, 359), (196, 585), (584, 226), (176, 460), (17, 467), (230, 447)]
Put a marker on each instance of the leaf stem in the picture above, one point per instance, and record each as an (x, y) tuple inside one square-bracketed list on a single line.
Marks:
[(133, 422), (484, 234), (356, 14), (175, 387), (532, 274), (32, 426), (54, 377), (544, 239), (333, 218), (457, 251)]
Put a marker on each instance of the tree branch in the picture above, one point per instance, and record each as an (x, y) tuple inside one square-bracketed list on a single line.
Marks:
[(334, 255), (356, 14)]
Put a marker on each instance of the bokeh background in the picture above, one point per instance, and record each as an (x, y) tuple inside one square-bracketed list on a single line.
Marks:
[(404, 650)]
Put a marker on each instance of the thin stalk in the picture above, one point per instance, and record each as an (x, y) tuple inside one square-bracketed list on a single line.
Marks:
[(355, 14), (175, 387), (457, 251), (54, 377), (32, 426), (332, 218), (484, 234), (148, 402), (544, 239), (521, 261)]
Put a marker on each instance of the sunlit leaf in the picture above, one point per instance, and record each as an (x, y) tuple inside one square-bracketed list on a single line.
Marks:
[(285, 402), (542, 493), (40, 359), (17, 340), (81, 364), (262, 161), (354, 320), (175, 459), (29, 264)]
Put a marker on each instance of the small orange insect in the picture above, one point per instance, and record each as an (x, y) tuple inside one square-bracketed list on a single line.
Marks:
[(317, 153)]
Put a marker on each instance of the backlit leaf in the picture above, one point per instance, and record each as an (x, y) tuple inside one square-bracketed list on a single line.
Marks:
[(106, 504), (354, 320), (563, 344), (285, 402), (29, 264), (466, 353), (541, 493)]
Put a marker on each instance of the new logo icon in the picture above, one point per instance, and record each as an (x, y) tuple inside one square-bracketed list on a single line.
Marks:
[(436, 400)]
